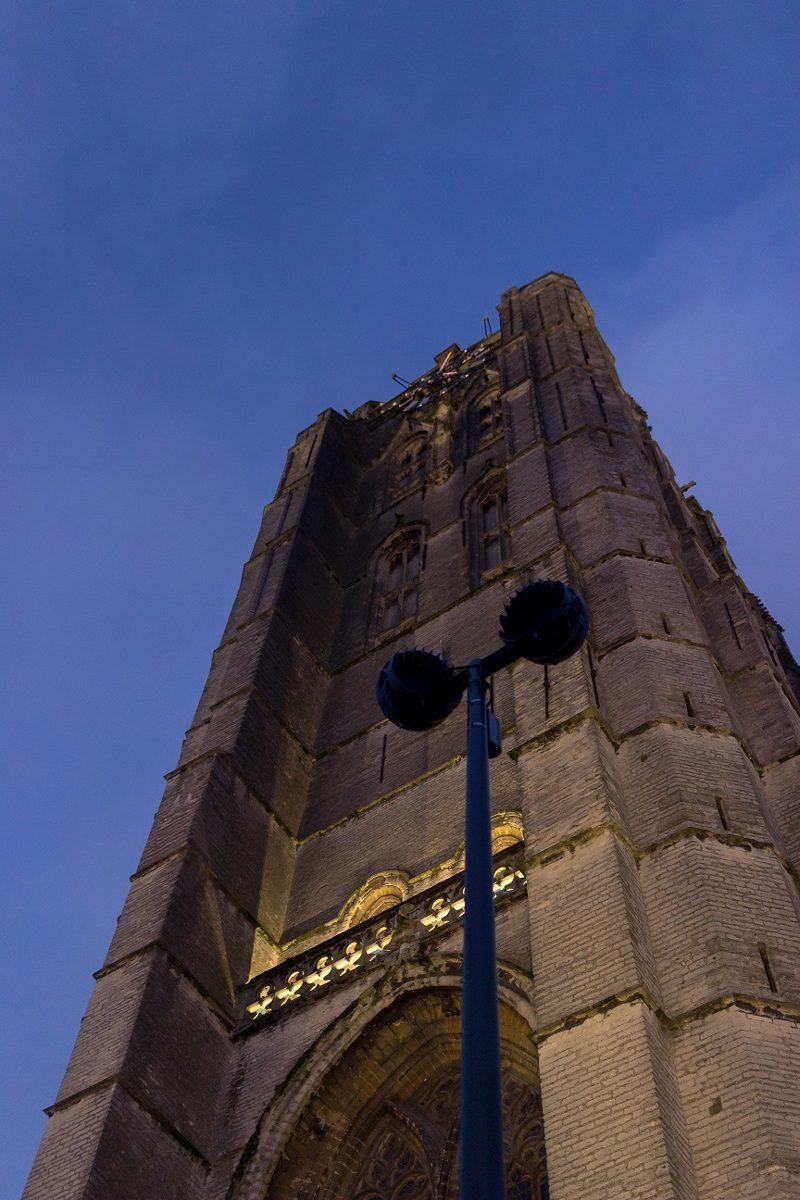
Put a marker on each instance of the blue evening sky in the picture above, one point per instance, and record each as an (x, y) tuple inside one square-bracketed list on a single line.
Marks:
[(219, 219)]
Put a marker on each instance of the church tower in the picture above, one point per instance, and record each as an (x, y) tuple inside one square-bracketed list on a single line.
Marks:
[(278, 1013)]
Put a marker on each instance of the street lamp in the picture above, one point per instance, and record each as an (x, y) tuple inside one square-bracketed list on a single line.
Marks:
[(545, 622)]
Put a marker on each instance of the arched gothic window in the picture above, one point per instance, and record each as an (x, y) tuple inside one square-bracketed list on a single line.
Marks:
[(412, 1153), (486, 528), (411, 466), (395, 1167), (494, 529), (400, 1141), (523, 1127), (485, 421), (400, 579)]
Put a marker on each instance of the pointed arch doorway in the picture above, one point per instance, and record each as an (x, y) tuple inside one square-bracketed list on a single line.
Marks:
[(383, 1124)]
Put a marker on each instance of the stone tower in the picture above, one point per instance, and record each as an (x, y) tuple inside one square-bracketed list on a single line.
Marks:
[(278, 1014)]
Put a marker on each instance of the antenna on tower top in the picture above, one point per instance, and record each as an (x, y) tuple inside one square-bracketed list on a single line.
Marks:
[(487, 326)]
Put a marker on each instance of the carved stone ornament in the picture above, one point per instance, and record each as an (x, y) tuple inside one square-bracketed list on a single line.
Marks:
[(390, 935), (441, 473)]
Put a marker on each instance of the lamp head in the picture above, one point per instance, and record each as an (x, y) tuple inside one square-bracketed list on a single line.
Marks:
[(416, 689), (546, 620)]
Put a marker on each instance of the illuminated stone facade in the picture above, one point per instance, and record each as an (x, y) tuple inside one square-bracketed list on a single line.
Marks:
[(278, 1012)]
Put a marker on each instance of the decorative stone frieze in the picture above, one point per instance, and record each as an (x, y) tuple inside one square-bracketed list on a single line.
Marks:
[(394, 933)]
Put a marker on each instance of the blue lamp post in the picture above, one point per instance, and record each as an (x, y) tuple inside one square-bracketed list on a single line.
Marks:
[(545, 622)]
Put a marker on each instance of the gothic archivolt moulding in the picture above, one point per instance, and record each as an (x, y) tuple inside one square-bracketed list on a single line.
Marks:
[(404, 978)]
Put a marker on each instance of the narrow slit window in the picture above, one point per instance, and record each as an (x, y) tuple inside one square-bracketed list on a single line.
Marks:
[(723, 817), (601, 404), (561, 407), (770, 648), (687, 700), (732, 624), (762, 950), (593, 674), (287, 470)]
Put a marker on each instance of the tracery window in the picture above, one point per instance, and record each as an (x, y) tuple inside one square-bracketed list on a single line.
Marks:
[(494, 538), (395, 1168), (526, 1170), (401, 1140), (485, 527), (410, 469), (402, 568), (486, 420)]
